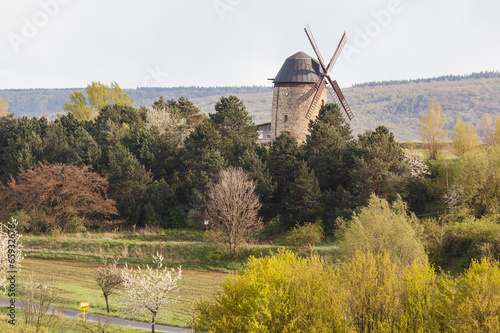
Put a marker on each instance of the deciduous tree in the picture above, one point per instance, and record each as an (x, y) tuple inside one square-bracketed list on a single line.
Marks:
[(59, 196), (148, 291), (4, 106), (233, 208), (108, 278), (432, 129), (380, 228), (477, 174), (488, 129), (99, 95), (464, 137)]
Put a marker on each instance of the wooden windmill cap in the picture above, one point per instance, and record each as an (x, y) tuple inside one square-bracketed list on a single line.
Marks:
[(299, 68)]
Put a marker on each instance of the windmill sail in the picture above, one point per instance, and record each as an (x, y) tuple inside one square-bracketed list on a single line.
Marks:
[(319, 86)]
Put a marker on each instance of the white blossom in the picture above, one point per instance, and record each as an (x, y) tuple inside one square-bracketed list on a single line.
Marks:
[(454, 195), (148, 291), (167, 121), (416, 164)]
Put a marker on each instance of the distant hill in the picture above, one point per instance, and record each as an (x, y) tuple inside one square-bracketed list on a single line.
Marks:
[(395, 104)]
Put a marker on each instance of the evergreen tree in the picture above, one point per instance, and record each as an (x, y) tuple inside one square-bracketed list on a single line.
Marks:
[(204, 139), (376, 165), (21, 144), (282, 165), (161, 206), (253, 165), (128, 182), (303, 203), (330, 134), (238, 132)]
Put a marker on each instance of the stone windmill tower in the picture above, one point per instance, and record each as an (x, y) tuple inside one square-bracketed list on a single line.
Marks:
[(300, 89)]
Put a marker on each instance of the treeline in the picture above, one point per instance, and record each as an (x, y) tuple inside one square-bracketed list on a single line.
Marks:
[(396, 106), (480, 75), (160, 162)]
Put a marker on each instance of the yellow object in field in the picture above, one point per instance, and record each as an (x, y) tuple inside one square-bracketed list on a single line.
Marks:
[(84, 306)]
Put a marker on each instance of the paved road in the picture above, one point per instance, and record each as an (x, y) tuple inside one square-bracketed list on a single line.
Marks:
[(112, 320)]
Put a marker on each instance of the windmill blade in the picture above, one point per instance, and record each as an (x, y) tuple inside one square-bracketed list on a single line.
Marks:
[(338, 96), (319, 86), (336, 55), (315, 47)]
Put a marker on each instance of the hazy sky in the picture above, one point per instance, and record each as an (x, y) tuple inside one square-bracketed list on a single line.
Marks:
[(69, 43)]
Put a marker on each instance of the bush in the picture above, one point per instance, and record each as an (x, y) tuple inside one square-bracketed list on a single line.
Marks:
[(478, 176), (280, 293), (465, 241), (368, 293), (477, 304), (307, 235), (380, 228)]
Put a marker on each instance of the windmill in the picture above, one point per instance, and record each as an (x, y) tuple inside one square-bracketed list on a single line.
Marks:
[(300, 89), (333, 88)]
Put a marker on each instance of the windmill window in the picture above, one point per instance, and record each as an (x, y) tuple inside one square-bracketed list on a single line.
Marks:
[(322, 102), (286, 118)]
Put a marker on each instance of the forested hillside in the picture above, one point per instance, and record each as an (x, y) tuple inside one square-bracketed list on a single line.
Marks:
[(395, 104)]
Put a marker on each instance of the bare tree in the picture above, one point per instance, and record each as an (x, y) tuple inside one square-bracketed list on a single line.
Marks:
[(108, 278), (488, 129), (432, 129), (148, 291), (233, 208), (37, 297)]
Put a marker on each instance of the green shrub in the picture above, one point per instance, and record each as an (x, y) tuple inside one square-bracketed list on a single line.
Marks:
[(478, 176), (274, 226), (307, 235), (381, 228), (470, 239)]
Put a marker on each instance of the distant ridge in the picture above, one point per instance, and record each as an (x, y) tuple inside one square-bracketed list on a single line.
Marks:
[(395, 104), (480, 75)]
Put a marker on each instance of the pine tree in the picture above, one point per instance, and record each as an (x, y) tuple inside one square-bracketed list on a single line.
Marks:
[(330, 134), (234, 123), (282, 165), (376, 165), (303, 203)]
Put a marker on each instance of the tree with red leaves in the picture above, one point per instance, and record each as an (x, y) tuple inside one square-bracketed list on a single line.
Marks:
[(59, 196)]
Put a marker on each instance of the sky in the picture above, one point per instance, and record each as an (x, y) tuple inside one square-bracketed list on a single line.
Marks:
[(153, 43)]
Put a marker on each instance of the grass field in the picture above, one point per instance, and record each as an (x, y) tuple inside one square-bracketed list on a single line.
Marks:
[(136, 249), (75, 283)]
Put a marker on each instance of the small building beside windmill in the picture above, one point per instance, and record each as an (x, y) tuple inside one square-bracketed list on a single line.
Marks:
[(294, 90)]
